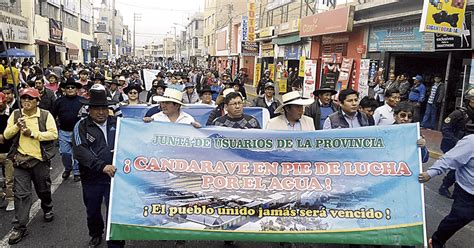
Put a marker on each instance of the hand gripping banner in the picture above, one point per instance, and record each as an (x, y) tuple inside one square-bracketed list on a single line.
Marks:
[(346, 186)]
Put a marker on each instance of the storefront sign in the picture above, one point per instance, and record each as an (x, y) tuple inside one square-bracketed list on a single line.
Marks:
[(334, 39), (331, 58), (256, 74), (289, 27), (86, 44), (373, 68), (443, 17), (251, 17), (271, 68), (266, 32), (309, 83), (15, 28), (293, 52), (73, 56), (60, 49), (55, 30), (245, 27), (328, 22), (400, 36), (249, 48), (301, 66), (267, 50), (463, 42)]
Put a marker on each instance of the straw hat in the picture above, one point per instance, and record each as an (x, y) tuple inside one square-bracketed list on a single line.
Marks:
[(171, 95), (293, 98)]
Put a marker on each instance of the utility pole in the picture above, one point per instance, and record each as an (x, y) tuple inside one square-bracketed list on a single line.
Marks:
[(136, 17), (229, 64), (113, 26), (175, 41)]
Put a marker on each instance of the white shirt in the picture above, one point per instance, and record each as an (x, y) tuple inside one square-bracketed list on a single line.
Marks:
[(183, 118), (269, 103), (383, 115), (103, 127), (212, 103)]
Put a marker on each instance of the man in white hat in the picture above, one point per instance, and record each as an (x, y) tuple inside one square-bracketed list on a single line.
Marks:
[(170, 104), (291, 114)]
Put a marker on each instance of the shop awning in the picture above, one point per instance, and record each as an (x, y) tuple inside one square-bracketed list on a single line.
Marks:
[(72, 48), (286, 39), (44, 42)]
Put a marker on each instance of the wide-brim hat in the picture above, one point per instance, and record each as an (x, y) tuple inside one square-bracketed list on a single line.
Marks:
[(293, 98), (171, 95), (97, 97), (133, 87), (324, 89), (70, 81)]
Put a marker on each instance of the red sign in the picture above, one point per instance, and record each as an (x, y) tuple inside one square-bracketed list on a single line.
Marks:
[(329, 22)]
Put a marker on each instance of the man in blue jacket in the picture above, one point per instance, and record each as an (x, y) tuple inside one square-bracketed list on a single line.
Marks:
[(93, 148), (417, 96)]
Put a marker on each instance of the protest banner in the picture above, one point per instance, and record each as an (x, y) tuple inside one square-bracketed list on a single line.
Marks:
[(351, 186), (200, 112)]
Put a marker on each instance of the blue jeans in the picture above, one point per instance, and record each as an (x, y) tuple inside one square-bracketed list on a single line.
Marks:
[(65, 148), (430, 117)]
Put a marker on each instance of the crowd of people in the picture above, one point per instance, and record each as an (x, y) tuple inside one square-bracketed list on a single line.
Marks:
[(78, 106)]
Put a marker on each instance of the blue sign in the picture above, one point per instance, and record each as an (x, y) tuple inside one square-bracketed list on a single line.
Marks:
[(400, 36), (86, 44), (199, 112), (346, 186), (293, 52)]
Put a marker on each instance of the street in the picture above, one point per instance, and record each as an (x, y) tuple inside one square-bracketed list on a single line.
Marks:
[(69, 226)]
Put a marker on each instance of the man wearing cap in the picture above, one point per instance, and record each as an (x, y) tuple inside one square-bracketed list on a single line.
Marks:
[(93, 148), (291, 114), (206, 96), (264, 80), (460, 159), (219, 110), (4, 149), (349, 115), (453, 130), (190, 96), (322, 106), (268, 100), (65, 111), (47, 97), (417, 96), (33, 132), (235, 117)]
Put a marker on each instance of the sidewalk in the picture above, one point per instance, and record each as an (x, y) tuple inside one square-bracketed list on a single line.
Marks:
[(433, 137)]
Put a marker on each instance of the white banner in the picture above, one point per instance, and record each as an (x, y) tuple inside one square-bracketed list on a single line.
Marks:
[(149, 76), (15, 28)]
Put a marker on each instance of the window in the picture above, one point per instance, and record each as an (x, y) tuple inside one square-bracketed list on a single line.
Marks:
[(196, 42), (85, 27), (46, 10), (196, 25), (70, 21)]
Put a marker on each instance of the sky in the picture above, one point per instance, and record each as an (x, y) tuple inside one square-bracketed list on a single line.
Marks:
[(157, 16)]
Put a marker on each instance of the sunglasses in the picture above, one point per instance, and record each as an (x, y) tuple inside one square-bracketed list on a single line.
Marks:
[(133, 92), (70, 87), (27, 98)]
